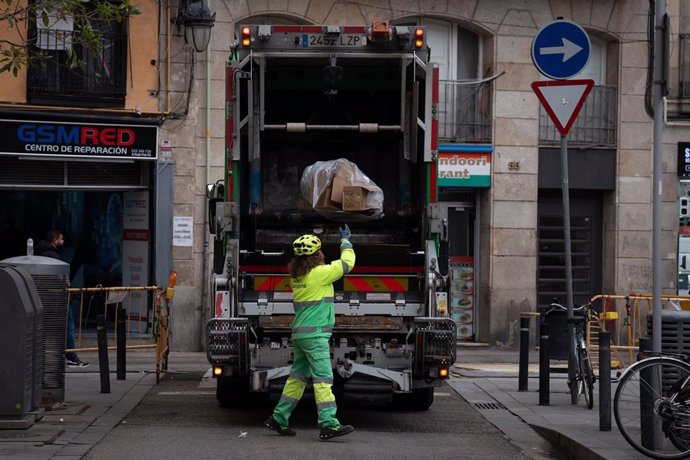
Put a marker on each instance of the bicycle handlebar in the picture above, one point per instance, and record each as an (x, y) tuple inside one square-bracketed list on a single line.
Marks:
[(587, 308)]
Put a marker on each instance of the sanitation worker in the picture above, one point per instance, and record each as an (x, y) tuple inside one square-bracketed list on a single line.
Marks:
[(312, 288)]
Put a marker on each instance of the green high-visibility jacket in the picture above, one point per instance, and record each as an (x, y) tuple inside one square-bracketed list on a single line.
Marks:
[(313, 295)]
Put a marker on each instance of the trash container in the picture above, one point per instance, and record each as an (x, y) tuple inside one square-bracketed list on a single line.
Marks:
[(558, 330), (675, 331), (20, 338), (51, 277)]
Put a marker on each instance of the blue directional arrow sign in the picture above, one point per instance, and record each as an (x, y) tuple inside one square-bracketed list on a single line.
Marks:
[(561, 49)]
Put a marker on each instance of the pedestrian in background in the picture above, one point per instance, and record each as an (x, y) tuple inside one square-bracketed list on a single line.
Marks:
[(313, 302), (51, 247)]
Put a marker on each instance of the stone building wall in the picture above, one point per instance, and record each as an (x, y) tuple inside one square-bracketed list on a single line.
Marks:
[(509, 208)]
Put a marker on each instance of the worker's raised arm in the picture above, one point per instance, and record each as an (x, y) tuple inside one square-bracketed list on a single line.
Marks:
[(335, 270)]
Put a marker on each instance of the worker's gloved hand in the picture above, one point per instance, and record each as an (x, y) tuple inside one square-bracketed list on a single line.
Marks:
[(345, 232)]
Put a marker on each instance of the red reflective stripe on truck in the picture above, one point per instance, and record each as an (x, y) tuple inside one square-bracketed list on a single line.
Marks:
[(375, 284), (284, 29), (272, 283), (312, 29), (219, 303), (229, 127), (230, 185), (354, 30), (383, 269), (395, 284), (433, 176)]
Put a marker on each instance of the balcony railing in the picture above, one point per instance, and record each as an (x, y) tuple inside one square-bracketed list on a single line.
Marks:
[(595, 126), (70, 71), (465, 111)]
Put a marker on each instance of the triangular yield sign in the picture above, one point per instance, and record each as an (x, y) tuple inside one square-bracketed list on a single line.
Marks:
[(562, 100)]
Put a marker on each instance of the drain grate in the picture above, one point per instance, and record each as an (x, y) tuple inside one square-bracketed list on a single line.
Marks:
[(489, 405)]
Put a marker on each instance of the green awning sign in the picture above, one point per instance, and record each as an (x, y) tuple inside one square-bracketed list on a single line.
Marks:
[(464, 169)]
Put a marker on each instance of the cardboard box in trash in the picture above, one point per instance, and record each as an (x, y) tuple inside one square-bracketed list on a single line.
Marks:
[(338, 185), (355, 197)]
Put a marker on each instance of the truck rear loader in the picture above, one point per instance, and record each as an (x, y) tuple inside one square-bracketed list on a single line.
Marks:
[(295, 95)]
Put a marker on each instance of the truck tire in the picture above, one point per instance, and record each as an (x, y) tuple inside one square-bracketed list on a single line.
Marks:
[(232, 392), (419, 400)]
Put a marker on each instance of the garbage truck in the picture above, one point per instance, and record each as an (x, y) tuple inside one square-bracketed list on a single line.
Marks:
[(297, 95)]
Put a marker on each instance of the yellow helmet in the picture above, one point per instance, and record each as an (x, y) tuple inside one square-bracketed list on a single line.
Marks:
[(306, 245)]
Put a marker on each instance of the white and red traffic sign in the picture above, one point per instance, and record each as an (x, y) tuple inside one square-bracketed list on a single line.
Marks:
[(562, 100)]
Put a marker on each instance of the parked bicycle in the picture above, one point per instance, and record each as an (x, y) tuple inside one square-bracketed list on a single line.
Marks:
[(652, 405), (583, 381)]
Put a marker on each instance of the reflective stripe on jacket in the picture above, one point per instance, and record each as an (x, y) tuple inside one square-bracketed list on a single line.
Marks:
[(313, 295)]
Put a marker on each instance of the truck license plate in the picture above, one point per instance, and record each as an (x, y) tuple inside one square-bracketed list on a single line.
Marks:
[(325, 41)]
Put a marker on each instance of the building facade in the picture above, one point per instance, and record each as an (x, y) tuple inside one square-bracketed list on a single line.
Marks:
[(506, 224)]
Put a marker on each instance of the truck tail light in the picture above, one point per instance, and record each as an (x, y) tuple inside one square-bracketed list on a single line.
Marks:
[(443, 372), (419, 38), (246, 36), (217, 371)]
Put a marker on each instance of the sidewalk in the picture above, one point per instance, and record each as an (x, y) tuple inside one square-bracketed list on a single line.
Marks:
[(488, 379), (87, 415)]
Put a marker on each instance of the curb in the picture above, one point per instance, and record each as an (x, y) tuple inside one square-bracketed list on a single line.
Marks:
[(565, 443)]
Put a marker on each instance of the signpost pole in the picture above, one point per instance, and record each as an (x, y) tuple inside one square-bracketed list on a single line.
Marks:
[(568, 269), (560, 50), (657, 95)]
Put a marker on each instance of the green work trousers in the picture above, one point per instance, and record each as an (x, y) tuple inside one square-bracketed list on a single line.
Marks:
[(312, 359)]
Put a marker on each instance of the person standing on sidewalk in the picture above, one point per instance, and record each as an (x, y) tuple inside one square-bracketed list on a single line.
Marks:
[(51, 247), (313, 297)]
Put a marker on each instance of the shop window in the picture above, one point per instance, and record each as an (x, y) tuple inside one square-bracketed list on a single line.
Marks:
[(68, 73)]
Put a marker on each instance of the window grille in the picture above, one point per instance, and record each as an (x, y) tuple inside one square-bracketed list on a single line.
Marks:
[(65, 70)]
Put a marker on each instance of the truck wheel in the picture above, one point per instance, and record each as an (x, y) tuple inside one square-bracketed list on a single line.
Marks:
[(232, 392), (419, 400)]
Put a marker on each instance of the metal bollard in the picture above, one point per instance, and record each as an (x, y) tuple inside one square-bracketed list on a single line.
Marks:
[(121, 345), (544, 366), (650, 427), (103, 354), (524, 355), (604, 381)]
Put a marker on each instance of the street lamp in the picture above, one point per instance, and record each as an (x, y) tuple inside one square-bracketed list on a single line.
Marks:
[(198, 20)]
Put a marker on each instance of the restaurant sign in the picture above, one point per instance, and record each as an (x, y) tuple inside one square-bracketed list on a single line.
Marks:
[(464, 167), (82, 140)]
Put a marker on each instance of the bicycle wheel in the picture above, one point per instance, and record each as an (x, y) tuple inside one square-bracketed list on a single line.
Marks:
[(678, 432), (577, 383), (587, 374), (652, 411)]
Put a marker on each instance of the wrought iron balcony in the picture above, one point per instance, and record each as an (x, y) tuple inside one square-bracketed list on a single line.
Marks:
[(465, 111), (69, 71), (596, 124)]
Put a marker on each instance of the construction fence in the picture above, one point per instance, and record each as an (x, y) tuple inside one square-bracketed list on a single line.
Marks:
[(146, 315), (626, 319)]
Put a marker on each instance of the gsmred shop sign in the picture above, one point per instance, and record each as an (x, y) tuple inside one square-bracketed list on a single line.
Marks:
[(91, 140)]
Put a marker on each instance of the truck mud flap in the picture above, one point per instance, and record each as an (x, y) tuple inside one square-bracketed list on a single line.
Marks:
[(435, 345), (227, 342)]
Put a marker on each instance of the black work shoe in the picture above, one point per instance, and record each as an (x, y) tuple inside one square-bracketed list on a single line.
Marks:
[(328, 433), (272, 424), (77, 363)]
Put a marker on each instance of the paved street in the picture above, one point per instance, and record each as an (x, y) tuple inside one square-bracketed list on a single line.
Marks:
[(479, 414), (180, 419)]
